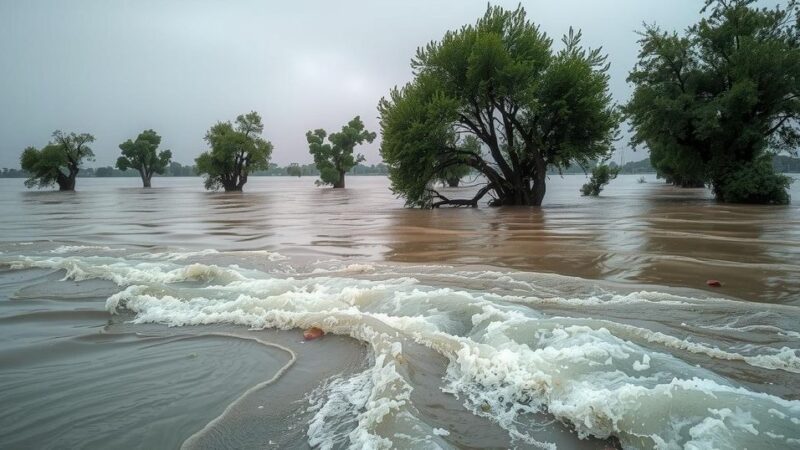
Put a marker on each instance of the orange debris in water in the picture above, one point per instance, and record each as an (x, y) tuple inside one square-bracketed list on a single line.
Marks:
[(312, 333), (713, 283)]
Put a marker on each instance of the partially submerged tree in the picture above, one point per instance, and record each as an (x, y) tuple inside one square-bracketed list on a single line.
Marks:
[(500, 82), (714, 103), (58, 162), (235, 152), (141, 155), (294, 170), (335, 158), (602, 174)]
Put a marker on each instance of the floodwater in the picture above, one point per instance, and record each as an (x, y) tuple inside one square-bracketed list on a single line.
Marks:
[(170, 317)]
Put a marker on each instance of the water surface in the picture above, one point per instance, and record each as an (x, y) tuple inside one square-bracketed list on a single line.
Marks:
[(152, 318)]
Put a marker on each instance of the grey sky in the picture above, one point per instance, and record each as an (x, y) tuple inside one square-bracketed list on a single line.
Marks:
[(114, 68)]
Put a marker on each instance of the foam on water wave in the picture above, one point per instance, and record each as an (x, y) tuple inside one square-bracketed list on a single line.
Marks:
[(507, 361)]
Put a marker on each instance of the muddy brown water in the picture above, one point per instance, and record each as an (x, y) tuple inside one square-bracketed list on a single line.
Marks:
[(139, 318)]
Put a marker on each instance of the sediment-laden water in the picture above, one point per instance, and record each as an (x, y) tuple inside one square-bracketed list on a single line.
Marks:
[(170, 318)]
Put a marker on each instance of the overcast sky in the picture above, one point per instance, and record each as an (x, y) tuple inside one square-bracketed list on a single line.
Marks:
[(114, 68)]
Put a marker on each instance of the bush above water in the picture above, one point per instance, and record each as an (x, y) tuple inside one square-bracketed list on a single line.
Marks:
[(602, 174), (753, 183)]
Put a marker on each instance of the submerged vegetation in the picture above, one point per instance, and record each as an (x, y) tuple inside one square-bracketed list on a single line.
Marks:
[(602, 174), (335, 158), (712, 104), (141, 155), (236, 150), (58, 162), (501, 82)]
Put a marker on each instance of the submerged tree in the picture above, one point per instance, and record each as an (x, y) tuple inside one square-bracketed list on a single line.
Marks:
[(294, 170), (235, 152), (602, 174), (500, 82), (714, 104), (335, 158), (58, 162), (141, 155)]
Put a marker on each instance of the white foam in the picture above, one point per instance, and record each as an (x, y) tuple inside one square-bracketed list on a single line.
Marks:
[(123, 273), (563, 370), (507, 361), (80, 248), (643, 365), (184, 255), (348, 269), (378, 397)]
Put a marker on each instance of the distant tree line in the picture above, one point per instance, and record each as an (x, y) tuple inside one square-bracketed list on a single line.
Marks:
[(176, 169), (635, 167), (13, 173), (780, 164), (311, 170), (786, 164)]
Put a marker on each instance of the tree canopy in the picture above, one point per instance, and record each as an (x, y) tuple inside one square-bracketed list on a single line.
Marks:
[(335, 157), (141, 155), (58, 162), (501, 82), (236, 151), (713, 104)]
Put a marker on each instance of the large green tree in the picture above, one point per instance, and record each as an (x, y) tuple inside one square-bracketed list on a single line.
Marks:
[(236, 150), (714, 103), (500, 81), (58, 162), (335, 157), (142, 155)]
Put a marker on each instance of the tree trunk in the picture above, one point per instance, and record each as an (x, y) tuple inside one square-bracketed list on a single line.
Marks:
[(538, 191), (66, 182), (241, 183), (523, 193), (340, 184), (539, 182), (229, 185), (145, 179), (66, 185)]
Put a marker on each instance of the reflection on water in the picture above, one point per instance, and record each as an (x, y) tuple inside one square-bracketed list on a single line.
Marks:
[(641, 233)]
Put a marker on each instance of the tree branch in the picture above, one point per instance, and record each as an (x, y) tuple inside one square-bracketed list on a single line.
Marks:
[(473, 202)]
